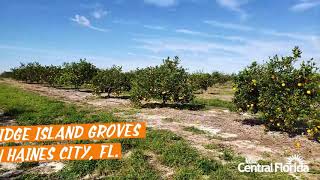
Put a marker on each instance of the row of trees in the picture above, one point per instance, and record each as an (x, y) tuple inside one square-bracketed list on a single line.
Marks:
[(166, 82), (75, 73), (287, 96), (112, 80), (202, 80)]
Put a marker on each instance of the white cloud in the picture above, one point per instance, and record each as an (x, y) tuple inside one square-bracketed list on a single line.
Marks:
[(234, 5), (131, 54), (280, 42), (291, 35), (304, 5), (85, 22), (99, 13), (154, 27), (180, 45), (162, 3), (207, 35), (190, 32), (242, 52), (238, 27), (82, 20), (153, 57)]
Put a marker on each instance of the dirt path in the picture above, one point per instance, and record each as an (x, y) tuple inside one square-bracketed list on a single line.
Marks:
[(221, 127)]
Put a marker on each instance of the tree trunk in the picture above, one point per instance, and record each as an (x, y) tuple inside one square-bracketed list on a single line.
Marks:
[(164, 101), (109, 92)]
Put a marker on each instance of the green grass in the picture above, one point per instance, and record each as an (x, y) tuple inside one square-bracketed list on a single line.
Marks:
[(227, 155), (31, 109), (211, 146), (314, 171), (215, 103), (171, 150)]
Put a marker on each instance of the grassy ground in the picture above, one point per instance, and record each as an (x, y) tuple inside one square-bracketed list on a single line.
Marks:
[(218, 91), (29, 109), (215, 103), (170, 150), (218, 96)]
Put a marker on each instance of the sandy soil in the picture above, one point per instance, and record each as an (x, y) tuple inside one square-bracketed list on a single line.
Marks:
[(221, 127)]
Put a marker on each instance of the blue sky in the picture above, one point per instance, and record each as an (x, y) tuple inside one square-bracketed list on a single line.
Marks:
[(207, 35)]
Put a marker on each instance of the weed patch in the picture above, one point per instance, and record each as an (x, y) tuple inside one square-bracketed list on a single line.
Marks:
[(194, 130)]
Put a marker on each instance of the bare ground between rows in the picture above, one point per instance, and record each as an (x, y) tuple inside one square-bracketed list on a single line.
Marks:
[(220, 126)]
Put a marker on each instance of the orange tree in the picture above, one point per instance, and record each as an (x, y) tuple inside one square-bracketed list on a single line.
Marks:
[(30, 72), (19, 73), (167, 82), (7, 74), (109, 81), (286, 95), (201, 81), (51, 74), (77, 73), (218, 77)]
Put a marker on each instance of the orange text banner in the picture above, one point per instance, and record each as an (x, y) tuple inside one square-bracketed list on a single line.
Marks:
[(60, 152), (72, 132)]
